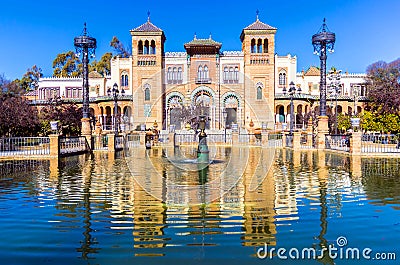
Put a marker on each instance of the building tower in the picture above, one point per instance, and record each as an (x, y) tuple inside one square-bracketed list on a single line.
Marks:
[(147, 76), (258, 46)]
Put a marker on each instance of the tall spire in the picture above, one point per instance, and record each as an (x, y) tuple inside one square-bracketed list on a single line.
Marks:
[(148, 16), (257, 13)]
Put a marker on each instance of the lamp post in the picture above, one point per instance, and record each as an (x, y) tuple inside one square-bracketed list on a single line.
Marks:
[(225, 116), (114, 93), (86, 46), (291, 92), (334, 78), (323, 41)]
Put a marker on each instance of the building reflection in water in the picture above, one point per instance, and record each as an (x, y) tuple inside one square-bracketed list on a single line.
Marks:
[(145, 204)]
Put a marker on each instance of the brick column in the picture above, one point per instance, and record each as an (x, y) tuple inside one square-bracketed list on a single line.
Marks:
[(355, 143), (111, 142), (54, 147), (322, 131)]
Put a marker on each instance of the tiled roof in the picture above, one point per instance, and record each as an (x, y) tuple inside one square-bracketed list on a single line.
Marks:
[(312, 71), (31, 93), (206, 42), (95, 74), (258, 25), (147, 27)]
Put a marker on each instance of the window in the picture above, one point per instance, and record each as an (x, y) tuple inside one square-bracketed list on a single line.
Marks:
[(206, 72), (179, 73), (153, 47), (169, 74), (200, 72), (265, 45), (253, 46), (259, 46), (146, 92), (174, 75), (146, 47), (282, 79), (231, 74), (140, 47), (259, 92), (236, 76), (124, 80), (259, 87)]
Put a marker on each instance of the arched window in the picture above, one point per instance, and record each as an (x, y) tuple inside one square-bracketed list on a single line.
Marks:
[(179, 73), (140, 47), (282, 79), (146, 92), (253, 46), (153, 47), (200, 72), (174, 74), (265, 45), (230, 73), (146, 47), (206, 72), (259, 92), (226, 73), (169, 74), (124, 80), (259, 46), (236, 77)]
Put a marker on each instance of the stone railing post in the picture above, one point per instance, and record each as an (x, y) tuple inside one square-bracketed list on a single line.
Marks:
[(296, 140), (235, 138), (264, 138), (284, 139), (54, 145), (111, 142), (355, 143), (142, 138)]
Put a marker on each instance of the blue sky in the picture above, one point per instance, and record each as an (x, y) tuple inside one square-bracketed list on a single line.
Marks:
[(34, 32)]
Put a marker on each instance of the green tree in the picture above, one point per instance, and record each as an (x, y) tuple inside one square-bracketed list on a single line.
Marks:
[(31, 78), (67, 64), (119, 48), (103, 66), (343, 121)]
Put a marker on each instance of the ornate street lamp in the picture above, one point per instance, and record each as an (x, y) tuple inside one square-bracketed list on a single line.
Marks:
[(323, 41), (86, 46), (291, 92), (334, 78), (115, 93)]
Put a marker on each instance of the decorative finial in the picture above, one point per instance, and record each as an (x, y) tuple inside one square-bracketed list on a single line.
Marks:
[(324, 27), (195, 37), (84, 29), (257, 12), (148, 16), (210, 36)]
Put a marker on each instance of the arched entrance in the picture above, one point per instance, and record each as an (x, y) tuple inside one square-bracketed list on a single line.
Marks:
[(231, 105)]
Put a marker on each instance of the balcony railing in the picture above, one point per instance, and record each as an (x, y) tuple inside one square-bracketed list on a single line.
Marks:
[(203, 80)]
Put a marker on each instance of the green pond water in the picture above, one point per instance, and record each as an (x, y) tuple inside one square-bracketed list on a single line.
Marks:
[(160, 207)]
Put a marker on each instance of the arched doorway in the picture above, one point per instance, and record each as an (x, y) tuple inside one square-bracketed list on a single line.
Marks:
[(230, 109)]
